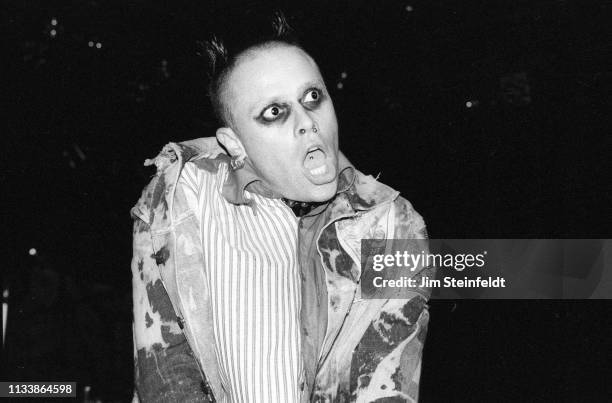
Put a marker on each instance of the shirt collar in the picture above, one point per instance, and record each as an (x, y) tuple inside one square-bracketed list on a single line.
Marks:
[(237, 182)]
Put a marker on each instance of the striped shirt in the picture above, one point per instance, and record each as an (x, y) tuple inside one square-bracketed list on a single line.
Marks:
[(250, 253)]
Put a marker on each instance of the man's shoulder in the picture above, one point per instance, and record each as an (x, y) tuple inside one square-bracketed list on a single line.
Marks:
[(408, 222), (369, 191), (206, 168), (203, 154), (194, 160)]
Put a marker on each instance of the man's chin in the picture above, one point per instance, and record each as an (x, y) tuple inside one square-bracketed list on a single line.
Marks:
[(320, 193)]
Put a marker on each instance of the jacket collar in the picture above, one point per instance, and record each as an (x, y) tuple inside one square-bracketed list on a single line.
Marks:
[(356, 191), (364, 193)]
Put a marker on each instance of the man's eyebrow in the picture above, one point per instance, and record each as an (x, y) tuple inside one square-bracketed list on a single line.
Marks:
[(309, 85)]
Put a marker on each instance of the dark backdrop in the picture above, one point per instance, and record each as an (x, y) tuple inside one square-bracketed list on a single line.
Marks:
[(490, 117)]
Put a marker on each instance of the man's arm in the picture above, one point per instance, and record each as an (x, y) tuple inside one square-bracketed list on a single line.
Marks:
[(165, 369)]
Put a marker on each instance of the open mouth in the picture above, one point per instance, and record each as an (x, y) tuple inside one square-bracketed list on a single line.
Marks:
[(314, 161)]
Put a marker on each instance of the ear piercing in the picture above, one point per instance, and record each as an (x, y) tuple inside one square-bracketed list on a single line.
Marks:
[(236, 163)]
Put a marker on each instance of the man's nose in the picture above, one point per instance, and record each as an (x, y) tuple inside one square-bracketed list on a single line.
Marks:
[(305, 123)]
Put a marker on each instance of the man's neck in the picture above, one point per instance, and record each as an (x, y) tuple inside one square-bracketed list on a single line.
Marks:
[(301, 208)]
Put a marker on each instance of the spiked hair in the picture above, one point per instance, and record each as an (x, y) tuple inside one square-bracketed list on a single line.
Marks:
[(222, 56)]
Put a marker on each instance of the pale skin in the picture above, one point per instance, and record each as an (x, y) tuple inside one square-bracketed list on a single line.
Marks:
[(283, 123)]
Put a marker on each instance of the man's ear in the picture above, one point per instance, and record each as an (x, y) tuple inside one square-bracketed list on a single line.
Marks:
[(228, 138)]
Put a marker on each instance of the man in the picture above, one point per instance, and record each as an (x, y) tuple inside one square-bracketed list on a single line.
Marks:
[(238, 295)]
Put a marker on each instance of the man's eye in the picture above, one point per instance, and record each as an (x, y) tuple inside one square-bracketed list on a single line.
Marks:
[(312, 96), (272, 113)]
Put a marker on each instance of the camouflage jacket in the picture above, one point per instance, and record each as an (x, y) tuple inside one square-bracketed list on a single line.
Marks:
[(371, 350)]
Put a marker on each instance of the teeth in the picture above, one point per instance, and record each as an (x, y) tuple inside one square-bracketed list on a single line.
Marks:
[(319, 171)]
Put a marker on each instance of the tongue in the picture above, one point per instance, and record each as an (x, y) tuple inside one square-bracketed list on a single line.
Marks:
[(314, 159)]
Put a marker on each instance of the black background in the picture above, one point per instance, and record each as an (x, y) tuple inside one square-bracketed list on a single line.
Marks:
[(529, 158)]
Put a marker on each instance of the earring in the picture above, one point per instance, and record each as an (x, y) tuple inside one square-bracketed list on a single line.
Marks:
[(236, 163)]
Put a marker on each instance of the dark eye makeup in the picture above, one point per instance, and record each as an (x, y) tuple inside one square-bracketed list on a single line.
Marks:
[(273, 112), (280, 112)]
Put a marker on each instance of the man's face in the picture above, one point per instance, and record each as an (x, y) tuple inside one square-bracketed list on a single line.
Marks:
[(284, 117)]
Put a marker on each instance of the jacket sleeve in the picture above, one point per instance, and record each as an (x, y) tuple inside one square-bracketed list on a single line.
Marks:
[(386, 365), (165, 369)]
